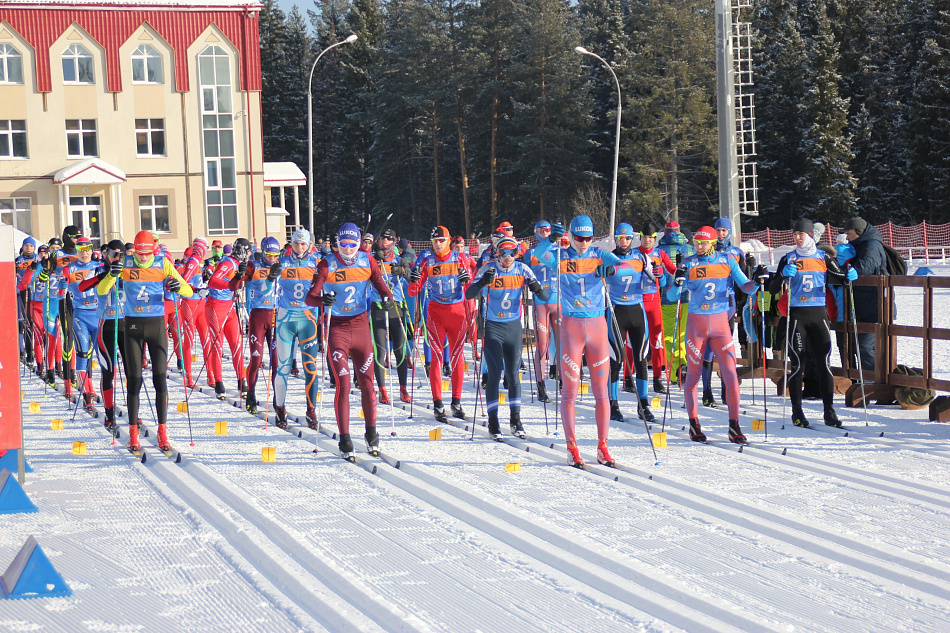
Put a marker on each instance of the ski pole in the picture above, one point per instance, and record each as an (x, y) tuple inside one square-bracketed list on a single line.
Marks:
[(184, 387), (788, 324), (676, 324), (478, 386), (538, 369), (857, 345), (765, 395), (560, 329), (526, 339)]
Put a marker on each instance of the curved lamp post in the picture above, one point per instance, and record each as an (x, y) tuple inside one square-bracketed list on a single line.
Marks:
[(349, 40), (580, 50)]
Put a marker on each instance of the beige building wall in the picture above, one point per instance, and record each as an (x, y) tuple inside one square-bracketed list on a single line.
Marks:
[(180, 174)]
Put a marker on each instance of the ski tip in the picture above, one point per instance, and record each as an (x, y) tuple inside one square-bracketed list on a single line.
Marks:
[(741, 446), (316, 450), (143, 456), (393, 434), (373, 471), (178, 458), (656, 464)]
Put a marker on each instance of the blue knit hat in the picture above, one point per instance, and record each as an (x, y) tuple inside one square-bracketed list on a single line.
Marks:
[(724, 223), (349, 231), (582, 226)]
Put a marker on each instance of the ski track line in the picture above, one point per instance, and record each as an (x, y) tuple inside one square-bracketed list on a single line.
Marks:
[(887, 565), (621, 609), (918, 492), (569, 558)]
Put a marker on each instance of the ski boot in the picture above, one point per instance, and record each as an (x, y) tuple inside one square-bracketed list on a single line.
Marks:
[(695, 431), (543, 393), (446, 370), (457, 411), (404, 394), (552, 372), (831, 418), (88, 402), (628, 385), (799, 419), (515, 423), (643, 411), (50, 378), (574, 456), (709, 400), (163, 444), (372, 441), (603, 456), (250, 403), (615, 413), (383, 396), (484, 381), (134, 445), (346, 448), (281, 420), (494, 429), (439, 410), (110, 425), (658, 386), (312, 418), (735, 433), (219, 391)]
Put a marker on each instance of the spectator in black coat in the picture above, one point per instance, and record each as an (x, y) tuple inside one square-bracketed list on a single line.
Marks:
[(869, 260)]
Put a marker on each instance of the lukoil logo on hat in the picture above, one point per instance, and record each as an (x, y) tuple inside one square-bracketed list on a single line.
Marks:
[(582, 226), (349, 231)]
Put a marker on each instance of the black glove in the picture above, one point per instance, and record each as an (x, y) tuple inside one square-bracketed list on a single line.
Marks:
[(173, 284), (206, 274), (43, 276), (535, 286), (386, 303), (274, 272), (379, 254), (488, 275), (464, 276), (329, 298), (35, 264), (396, 270), (115, 269), (679, 259), (415, 275), (49, 264), (557, 230), (605, 270), (679, 277), (242, 269), (761, 275)]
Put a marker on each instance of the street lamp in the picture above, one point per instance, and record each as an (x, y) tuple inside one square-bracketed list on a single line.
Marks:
[(349, 40), (580, 50)]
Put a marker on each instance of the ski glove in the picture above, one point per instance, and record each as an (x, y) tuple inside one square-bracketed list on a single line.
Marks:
[(174, 285), (464, 276), (679, 277), (657, 271), (329, 298), (242, 269), (790, 270), (851, 274), (386, 304), (488, 275), (557, 231), (43, 276), (761, 274), (274, 272), (116, 268), (605, 270), (415, 275), (535, 286), (396, 270)]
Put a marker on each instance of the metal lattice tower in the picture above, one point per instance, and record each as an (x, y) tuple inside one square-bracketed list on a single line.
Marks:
[(747, 175)]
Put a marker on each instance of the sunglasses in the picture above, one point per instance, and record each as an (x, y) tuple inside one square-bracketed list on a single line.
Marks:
[(272, 253), (508, 252), (544, 229), (583, 238), (622, 237), (440, 240), (349, 244), (83, 249)]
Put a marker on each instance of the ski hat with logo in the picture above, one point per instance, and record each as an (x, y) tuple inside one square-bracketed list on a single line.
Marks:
[(349, 231)]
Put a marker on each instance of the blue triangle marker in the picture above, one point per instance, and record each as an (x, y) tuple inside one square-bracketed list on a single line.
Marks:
[(13, 499), (8, 461), (31, 575)]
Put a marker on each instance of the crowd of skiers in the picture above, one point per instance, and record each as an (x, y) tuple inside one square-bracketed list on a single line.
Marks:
[(358, 304)]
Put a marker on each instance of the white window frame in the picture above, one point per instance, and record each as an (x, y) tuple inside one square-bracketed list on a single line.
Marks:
[(10, 134), (149, 129), (144, 60), (150, 203), (218, 141), (79, 59), (10, 58), (15, 207), (81, 133)]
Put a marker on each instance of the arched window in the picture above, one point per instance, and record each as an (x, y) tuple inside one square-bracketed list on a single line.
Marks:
[(11, 65), (78, 66), (147, 65), (217, 126)]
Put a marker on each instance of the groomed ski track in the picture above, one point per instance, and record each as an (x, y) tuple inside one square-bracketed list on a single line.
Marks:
[(436, 536)]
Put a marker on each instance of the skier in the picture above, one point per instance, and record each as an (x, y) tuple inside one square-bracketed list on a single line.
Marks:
[(222, 315), (502, 281), (392, 266), (144, 279), (808, 271), (85, 305), (444, 273), (342, 285), (296, 325), (260, 289), (659, 261), (192, 309), (707, 276), (634, 275), (547, 312), (583, 327), (24, 265)]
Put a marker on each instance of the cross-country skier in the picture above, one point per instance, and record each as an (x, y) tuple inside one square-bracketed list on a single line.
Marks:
[(547, 312), (261, 292), (221, 312)]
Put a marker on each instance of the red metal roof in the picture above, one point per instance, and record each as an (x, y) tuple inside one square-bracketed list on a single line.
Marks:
[(178, 26)]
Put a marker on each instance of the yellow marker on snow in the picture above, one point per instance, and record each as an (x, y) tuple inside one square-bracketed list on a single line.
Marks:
[(221, 428), (583, 388), (435, 434), (35, 407), (182, 407), (513, 467), (56, 424), (79, 448), (758, 425), (659, 440), (655, 403), (268, 454)]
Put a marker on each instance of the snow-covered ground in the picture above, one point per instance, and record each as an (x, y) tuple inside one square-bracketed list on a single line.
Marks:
[(805, 530)]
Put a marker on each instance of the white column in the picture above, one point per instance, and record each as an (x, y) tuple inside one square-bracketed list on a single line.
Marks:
[(296, 208), (118, 196), (63, 196)]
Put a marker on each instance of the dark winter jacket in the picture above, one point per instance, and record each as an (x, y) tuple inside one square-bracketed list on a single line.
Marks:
[(870, 260)]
